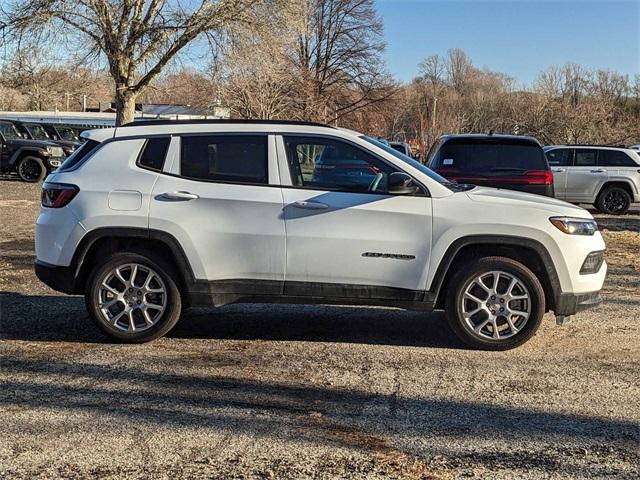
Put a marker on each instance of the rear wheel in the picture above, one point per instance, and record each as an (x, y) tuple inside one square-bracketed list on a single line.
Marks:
[(133, 298), (495, 304), (31, 169), (614, 201)]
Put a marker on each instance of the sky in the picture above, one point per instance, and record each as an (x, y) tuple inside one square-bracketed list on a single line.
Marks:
[(517, 37)]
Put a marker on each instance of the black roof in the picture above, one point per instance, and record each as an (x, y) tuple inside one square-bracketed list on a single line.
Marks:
[(139, 123), (491, 136)]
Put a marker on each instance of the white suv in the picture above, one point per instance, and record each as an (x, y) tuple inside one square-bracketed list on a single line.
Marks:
[(150, 218), (607, 177)]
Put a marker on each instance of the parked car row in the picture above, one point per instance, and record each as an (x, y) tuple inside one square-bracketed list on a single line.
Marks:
[(35, 149)]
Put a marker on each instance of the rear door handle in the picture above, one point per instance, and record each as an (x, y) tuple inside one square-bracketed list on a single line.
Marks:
[(311, 205), (179, 196), (598, 170), (558, 170)]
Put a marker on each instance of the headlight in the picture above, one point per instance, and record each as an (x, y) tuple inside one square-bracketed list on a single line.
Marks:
[(55, 151), (575, 226)]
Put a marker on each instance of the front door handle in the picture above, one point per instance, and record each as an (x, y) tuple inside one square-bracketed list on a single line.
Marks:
[(598, 170), (311, 205), (558, 170), (179, 196)]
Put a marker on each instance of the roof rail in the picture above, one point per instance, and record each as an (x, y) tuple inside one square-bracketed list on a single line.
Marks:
[(139, 123), (593, 145)]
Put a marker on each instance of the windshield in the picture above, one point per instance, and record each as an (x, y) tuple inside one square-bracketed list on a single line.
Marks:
[(38, 132), (9, 130), (417, 165), (68, 134)]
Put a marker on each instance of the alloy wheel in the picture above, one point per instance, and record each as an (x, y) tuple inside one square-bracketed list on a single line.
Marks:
[(495, 305), (132, 297), (29, 169), (614, 201)]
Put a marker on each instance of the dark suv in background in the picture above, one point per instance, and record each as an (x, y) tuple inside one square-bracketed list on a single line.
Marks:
[(38, 131), (503, 161), (31, 159)]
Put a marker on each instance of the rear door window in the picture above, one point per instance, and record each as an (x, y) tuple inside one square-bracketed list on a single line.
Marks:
[(483, 157), (614, 158), (585, 157), (225, 158)]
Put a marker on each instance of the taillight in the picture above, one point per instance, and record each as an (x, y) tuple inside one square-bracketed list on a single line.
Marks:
[(57, 195), (539, 177)]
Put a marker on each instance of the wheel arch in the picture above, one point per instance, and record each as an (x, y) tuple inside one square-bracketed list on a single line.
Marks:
[(105, 241), (529, 252), (24, 152), (617, 182)]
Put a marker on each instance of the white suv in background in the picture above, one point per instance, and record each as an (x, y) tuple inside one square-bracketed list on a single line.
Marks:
[(149, 218), (607, 177)]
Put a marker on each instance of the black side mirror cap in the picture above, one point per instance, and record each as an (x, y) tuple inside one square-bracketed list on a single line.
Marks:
[(400, 183)]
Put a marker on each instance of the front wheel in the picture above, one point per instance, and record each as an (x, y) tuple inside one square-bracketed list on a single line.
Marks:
[(495, 304), (133, 298), (31, 169)]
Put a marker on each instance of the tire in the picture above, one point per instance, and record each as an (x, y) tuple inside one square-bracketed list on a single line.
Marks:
[(127, 317), (613, 200), (31, 169), (485, 338)]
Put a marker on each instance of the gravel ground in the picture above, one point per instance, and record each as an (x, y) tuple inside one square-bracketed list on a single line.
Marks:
[(268, 391)]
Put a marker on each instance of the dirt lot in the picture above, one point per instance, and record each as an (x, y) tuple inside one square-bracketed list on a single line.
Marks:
[(321, 392)]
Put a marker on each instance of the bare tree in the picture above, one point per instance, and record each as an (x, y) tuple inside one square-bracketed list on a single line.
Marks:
[(138, 38), (338, 58)]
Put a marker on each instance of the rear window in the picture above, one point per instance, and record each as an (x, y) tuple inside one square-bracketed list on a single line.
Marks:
[(225, 158), (615, 158), (79, 155), (469, 156)]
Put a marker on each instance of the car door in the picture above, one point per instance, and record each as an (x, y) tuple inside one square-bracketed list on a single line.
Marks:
[(584, 177), (347, 237), (219, 196), (560, 159)]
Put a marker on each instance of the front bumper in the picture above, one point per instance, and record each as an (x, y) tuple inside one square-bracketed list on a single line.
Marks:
[(61, 279), (570, 303)]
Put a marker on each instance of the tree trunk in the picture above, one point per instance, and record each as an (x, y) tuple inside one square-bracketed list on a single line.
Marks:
[(125, 105)]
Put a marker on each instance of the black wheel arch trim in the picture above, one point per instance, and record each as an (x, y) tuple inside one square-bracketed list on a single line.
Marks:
[(454, 248), (91, 237)]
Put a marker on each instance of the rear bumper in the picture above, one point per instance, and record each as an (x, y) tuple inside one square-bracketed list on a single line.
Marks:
[(570, 303), (61, 279)]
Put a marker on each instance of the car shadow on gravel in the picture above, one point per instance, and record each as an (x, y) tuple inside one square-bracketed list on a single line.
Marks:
[(318, 323), (63, 318), (130, 394)]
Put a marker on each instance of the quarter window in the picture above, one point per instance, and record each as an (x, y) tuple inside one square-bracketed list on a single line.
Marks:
[(614, 158), (225, 158), (585, 157), (154, 153), (328, 164), (559, 157)]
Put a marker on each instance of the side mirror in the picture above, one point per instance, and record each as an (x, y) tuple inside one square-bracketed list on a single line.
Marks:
[(401, 184)]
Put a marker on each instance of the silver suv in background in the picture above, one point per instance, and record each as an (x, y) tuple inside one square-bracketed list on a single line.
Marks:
[(607, 177)]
